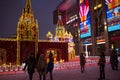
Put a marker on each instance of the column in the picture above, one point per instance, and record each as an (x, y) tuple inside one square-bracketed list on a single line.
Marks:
[(93, 27), (86, 51), (36, 47), (18, 53), (105, 28)]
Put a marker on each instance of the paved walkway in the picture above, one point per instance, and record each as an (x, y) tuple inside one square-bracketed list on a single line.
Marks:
[(91, 73)]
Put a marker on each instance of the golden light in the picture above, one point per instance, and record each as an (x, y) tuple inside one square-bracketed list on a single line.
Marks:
[(105, 27), (112, 46), (97, 6), (81, 1)]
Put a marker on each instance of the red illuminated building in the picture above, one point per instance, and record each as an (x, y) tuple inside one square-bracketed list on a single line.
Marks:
[(16, 50)]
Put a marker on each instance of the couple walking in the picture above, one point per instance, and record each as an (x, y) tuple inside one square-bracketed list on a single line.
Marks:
[(41, 65)]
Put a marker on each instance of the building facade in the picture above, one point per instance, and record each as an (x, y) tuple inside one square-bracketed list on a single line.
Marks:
[(97, 27)]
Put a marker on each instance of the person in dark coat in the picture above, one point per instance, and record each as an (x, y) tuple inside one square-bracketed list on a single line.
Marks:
[(30, 64), (82, 62), (114, 60), (37, 58), (101, 64), (50, 65), (42, 67)]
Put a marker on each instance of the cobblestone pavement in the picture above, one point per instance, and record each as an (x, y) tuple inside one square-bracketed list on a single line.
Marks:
[(91, 73)]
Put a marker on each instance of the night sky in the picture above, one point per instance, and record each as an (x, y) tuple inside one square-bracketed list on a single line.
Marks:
[(11, 10)]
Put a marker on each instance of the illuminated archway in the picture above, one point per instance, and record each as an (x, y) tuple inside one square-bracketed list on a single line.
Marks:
[(57, 54)]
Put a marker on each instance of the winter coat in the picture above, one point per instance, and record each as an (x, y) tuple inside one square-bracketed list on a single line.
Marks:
[(50, 66), (102, 61), (30, 64), (42, 65), (113, 58), (82, 60)]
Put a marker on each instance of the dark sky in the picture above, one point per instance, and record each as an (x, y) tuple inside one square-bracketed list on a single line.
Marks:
[(10, 12)]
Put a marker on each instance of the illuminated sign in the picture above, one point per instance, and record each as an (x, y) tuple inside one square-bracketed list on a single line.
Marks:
[(113, 14), (84, 14)]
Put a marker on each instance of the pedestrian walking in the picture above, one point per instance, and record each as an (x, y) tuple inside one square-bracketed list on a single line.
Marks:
[(37, 58), (82, 62), (101, 64), (114, 60), (50, 65), (30, 65), (42, 67)]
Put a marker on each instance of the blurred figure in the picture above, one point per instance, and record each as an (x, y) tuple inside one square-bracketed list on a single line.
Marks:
[(82, 62), (114, 60), (42, 67), (37, 58), (50, 65), (101, 64), (30, 64)]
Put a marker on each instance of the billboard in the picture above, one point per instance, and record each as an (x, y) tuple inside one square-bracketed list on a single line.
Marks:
[(84, 14), (113, 14)]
